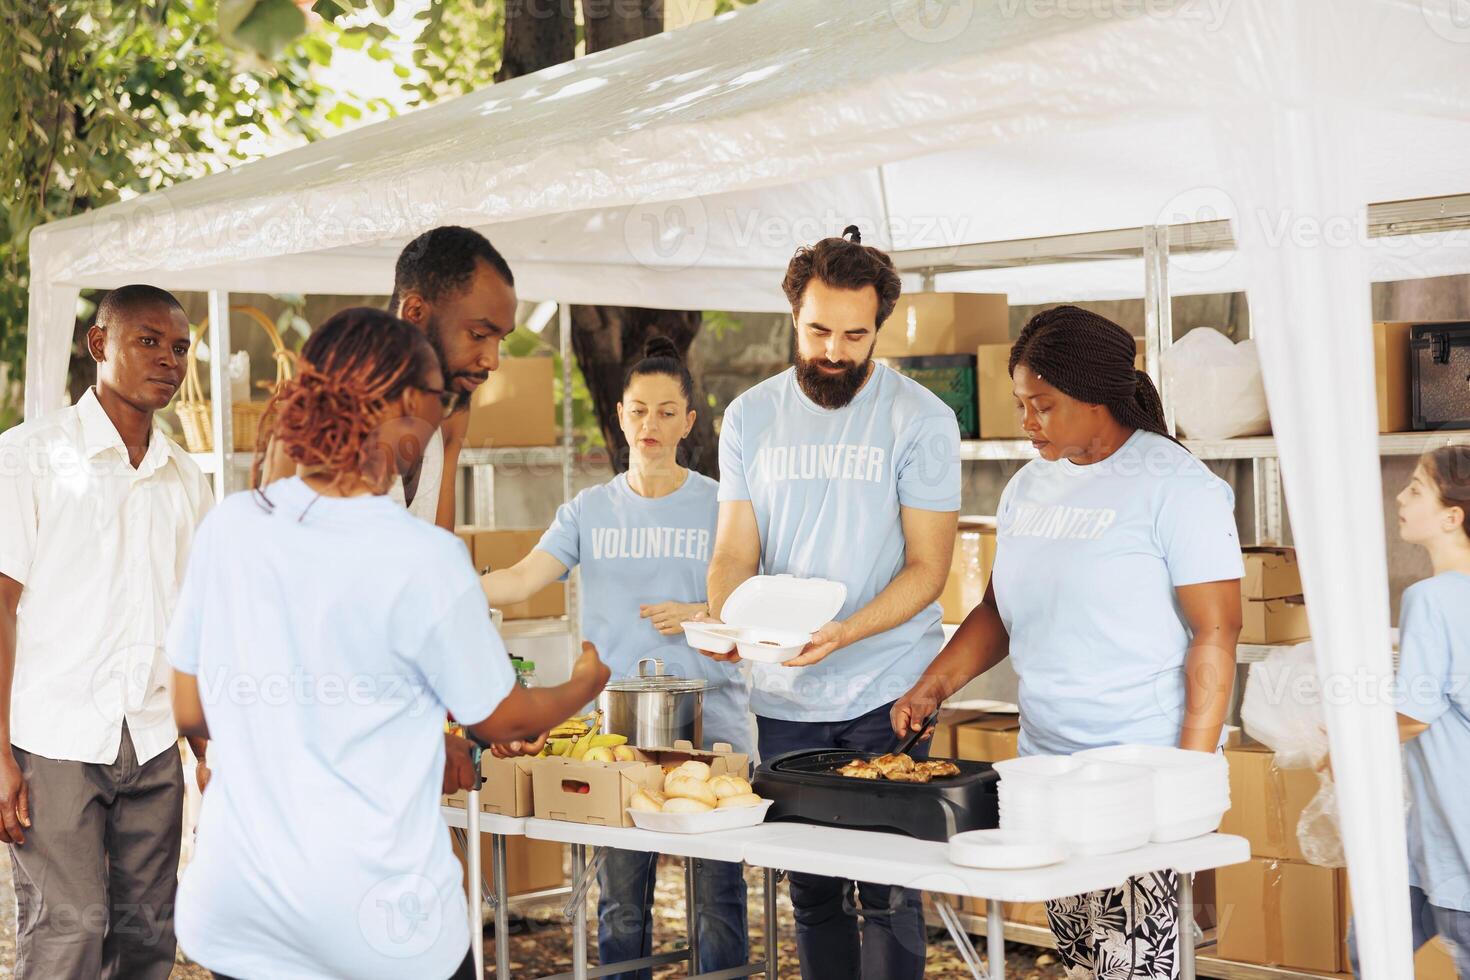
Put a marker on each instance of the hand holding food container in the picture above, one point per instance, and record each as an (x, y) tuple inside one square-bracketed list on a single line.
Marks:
[(773, 619)]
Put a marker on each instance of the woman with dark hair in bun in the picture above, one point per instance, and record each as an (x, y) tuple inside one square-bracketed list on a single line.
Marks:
[(643, 541), (1115, 594)]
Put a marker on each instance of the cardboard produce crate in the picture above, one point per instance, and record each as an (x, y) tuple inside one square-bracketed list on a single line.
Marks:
[(601, 792), (1274, 620), (516, 407), (1279, 913), (990, 738), (1270, 573), (502, 548), (1266, 802), (925, 324), (505, 789), (969, 568)]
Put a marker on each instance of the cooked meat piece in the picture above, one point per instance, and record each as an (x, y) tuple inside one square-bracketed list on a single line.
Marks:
[(859, 769), (912, 776), (939, 768), (890, 764)]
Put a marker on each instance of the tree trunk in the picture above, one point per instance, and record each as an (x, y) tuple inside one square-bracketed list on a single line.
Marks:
[(538, 34), (607, 341)]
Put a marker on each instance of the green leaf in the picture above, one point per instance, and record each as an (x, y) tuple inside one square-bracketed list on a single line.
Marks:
[(266, 27), (384, 7)]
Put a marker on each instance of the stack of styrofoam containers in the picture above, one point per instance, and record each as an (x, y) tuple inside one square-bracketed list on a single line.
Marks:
[(1027, 809), (1086, 807), (1191, 790)]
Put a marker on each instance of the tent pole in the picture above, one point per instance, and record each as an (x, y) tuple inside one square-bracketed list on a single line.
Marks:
[(222, 422)]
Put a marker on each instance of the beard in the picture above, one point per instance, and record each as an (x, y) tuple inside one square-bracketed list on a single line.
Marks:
[(434, 333), (831, 390)]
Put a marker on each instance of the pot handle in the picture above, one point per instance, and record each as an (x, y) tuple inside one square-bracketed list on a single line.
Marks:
[(658, 667)]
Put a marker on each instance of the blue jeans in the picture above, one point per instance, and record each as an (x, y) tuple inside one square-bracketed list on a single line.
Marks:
[(625, 927), (1426, 922), (827, 933)]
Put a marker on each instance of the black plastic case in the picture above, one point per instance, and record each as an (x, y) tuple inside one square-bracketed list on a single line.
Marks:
[(1439, 359)]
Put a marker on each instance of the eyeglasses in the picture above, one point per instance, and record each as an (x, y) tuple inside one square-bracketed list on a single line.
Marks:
[(450, 399)]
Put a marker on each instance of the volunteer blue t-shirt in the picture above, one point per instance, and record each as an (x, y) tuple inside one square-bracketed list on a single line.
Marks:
[(328, 636), (642, 551), (826, 486), (1434, 677), (1087, 561)]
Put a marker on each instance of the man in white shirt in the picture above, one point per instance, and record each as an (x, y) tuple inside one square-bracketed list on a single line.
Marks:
[(97, 512), (451, 283)]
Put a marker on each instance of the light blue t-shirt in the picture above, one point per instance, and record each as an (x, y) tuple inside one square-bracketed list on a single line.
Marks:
[(641, 551), (1087, 561), (1434, 678), (826, 486), (328, 636)]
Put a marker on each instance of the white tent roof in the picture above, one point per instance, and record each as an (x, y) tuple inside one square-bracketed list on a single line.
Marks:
[(682, 170)]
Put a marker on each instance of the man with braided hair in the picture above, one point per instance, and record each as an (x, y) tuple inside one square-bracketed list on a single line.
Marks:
[(842, 469), (1116, 595)]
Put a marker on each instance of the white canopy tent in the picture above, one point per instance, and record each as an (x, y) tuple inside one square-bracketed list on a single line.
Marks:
[(681, 171)]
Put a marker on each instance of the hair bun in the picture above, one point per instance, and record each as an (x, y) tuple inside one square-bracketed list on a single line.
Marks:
[(659, 346), (853, 234)]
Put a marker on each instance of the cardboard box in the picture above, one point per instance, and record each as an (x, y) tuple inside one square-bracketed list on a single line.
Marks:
[(1279, 913), (506, 787), (944, 323), (999, 417), (1392, 376), (943, 744), (515, 407), (991, 738), (1274, 620), (1266, 802), (1026, 913), (502, 548), (1270, 573), (601, 792), (969, 568), (530, 865)]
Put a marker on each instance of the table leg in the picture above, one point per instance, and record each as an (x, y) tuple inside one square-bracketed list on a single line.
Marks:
[(773, 924), (579, 915), (960, 936), (502, 906), (1186, 926), (691, 914), (995, 940), (474, 874)]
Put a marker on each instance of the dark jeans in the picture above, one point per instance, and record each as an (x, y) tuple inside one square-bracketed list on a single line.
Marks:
[(1427, 921), (95, 879), (466, 970), (827, 933), (625, 922)]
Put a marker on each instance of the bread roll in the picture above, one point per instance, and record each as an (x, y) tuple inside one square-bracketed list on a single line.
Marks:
[(698, 770), (744, 799), (690, 789), (729, 786), (681, 804), (647, 800)]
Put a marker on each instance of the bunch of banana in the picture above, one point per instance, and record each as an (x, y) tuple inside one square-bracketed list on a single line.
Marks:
[(581, 738)]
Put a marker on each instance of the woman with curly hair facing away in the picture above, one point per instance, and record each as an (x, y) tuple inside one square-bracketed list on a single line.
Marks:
[(322, 632)]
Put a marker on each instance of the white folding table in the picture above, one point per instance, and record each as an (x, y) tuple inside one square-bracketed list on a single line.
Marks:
[(495, 891)]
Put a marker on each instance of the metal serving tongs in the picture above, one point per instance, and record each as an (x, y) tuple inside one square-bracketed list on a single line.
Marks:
[(912, 738)]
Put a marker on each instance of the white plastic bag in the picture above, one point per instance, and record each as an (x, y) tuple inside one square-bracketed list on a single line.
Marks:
[(1215, 386), (1318, 833), (1282, 707)]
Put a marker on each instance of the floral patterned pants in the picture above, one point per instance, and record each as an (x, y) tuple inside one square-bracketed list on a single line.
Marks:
[(1125, 933)]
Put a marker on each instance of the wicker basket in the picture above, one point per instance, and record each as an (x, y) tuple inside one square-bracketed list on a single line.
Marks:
[(196, 416)]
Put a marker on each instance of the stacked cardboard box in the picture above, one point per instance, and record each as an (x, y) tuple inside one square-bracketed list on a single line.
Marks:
[(1275, 909), (515, 407), (969, 568), (502, 548), (530, 865), (1272, 607), (1393, 376), (926, 324), (998, 416), (991, 737)]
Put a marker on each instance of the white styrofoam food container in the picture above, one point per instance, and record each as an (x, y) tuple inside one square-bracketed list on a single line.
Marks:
[(770, 618), (730, 818)]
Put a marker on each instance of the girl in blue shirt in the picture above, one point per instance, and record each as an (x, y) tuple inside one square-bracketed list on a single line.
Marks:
[(1434, 706), (1115, 595), (643, 541)]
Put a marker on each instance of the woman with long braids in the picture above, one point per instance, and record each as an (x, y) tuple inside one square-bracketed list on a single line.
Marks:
[(1116, 595), (322, 632), (643, 542)]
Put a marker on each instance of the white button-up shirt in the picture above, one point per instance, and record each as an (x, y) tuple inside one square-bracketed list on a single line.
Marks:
[(100, 549)]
